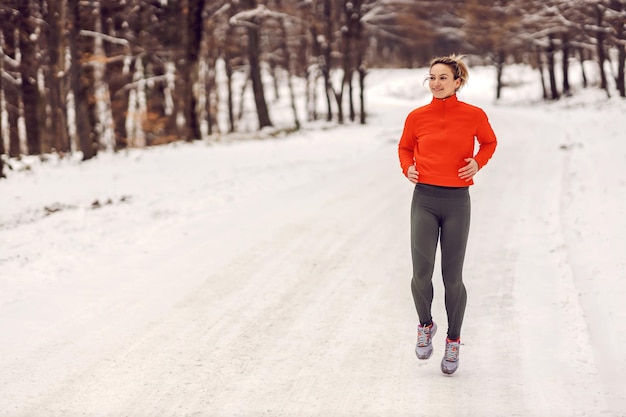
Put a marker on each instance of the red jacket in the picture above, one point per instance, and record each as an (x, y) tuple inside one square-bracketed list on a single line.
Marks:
[(439, 136)]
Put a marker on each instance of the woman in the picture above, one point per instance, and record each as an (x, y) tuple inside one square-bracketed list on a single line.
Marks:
[(436, 153)]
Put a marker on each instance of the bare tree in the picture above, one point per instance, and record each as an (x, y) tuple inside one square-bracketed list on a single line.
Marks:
[(194, 38), (81, 83), (213, 17), (11, 78), (599, 12), (253, 24), (288, 62), (490, 28), (322, 35), (2, 151), (616, 16), (56, 121), (28, 74), (231, 58), (345, 53), (117, 25)]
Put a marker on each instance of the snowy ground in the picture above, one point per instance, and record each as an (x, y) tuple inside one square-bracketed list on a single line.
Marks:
[(271, 278)]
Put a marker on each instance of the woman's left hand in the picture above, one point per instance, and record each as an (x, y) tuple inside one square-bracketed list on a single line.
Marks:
[(468, 171)]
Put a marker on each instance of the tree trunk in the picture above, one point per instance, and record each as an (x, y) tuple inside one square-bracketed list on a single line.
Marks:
[(242, 100), (352, 16), (346, 46), (565, 64), (12, 96), (43, 55), (361, 46), (12, 100), (554, 92), (80, 83), (137, 107), (362, 74), (618, 8), (287, 64), (272, 66), (541, 74), (210, 56), (2, 151), (56, 82), (194, 38), (1, 146), (499, 70), (28, 72), (312, 76), (103, 119), (581, 54), (621, 61), (187, 68), (211, 102), (254, 53), (339, 99), (326, 50), (118, 77), (351, 98), (600, 50), (118, 71), (229, 89)]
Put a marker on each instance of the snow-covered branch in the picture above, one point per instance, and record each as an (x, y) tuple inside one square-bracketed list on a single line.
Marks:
[(104, 37), (10, 62), (249, 17), (14, 82), (149, 80)]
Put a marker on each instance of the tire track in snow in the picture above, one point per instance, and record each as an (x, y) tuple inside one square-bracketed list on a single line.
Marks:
[(555, 345), (587, 240)]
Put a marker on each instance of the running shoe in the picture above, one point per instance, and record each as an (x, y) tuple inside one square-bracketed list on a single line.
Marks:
[(450, 361), (424, 346)]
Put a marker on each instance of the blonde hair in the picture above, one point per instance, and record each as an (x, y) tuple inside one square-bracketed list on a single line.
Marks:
[(458, 67)]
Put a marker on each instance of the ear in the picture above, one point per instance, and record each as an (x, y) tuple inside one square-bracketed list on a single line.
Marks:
[(457, 83)]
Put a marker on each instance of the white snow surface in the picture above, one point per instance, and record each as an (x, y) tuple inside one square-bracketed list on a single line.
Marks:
[(270, 277)]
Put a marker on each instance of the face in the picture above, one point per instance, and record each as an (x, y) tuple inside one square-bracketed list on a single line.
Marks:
[(441, 81)]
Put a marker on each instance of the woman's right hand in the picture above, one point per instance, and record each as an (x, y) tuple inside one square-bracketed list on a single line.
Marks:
[(412, 174)]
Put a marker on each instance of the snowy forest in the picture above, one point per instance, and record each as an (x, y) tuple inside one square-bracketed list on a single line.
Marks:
[(84, 76)]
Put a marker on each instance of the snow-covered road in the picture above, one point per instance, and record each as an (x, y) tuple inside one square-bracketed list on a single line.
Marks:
[(272, 279)]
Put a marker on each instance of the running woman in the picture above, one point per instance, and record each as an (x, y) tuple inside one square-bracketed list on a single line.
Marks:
[(436, 153)]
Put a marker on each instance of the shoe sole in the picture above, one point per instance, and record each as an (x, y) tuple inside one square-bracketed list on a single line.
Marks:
[(448, 371), (423, 358)]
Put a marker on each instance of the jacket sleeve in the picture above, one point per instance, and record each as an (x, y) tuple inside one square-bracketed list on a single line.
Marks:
[(406, 147), (486, 139)]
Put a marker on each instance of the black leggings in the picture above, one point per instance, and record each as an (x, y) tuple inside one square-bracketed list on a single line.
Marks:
[(440, 214)]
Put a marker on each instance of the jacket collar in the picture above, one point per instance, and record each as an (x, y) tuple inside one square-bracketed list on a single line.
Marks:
[(448, 101)]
